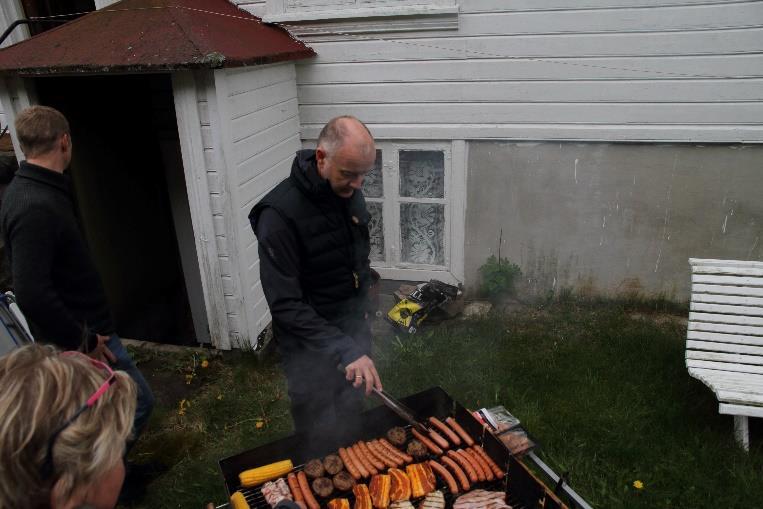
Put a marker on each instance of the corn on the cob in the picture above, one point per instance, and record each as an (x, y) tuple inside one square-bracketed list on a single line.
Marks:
[(257, 476), (237, 501)]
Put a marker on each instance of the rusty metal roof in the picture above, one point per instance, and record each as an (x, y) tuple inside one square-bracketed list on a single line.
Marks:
[(153, 35)]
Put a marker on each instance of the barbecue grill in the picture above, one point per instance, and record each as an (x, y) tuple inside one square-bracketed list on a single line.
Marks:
[(523, 489)]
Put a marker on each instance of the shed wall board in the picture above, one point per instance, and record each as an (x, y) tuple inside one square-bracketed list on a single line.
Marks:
[(259, 134), (594, 70), (612, 219), (10, 11)]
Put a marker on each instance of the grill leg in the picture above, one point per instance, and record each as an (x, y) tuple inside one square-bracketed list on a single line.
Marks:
[(742, 431)]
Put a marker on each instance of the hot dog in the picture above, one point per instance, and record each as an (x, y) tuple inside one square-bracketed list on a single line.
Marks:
[(294, 487), (452, 436), (461, 431), (457, 471), (386, 456), (446, 476), (433, 448), (499, 473), (306, 492), (378, 464), (352, 468), (358, 464), (464, 463), (478, 460), (438, 439), (474, 463), (364, 460), (395, 451)]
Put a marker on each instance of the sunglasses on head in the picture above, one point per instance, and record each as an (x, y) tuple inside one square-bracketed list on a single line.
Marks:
[(47, 466)]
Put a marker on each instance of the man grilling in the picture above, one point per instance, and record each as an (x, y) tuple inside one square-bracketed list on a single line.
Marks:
[(314, 245)]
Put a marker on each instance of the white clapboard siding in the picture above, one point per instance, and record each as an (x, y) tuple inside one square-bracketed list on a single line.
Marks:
[(633, 70), (724, 342), (256, 7), (260, 134)]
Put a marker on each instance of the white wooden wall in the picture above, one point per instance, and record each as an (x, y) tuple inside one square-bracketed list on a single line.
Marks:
[(255, 139), (256, 7), (10, 11), (599, 70)]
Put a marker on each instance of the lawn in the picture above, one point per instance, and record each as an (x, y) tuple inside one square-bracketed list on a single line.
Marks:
[(602, 386)]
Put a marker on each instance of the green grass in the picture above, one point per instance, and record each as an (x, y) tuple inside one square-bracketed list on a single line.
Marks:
[(604, 390)]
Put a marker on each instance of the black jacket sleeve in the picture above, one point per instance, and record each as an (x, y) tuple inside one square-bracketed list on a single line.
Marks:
[(280, 275), (33, 238)]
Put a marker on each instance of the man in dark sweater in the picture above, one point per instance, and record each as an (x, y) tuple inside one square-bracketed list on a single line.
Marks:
[(55, 282), (314, 244)]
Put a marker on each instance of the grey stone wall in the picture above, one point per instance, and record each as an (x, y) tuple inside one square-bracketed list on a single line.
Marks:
[(612, 219)]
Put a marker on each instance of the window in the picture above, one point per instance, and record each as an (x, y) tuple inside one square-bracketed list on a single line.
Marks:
[(413, 195)]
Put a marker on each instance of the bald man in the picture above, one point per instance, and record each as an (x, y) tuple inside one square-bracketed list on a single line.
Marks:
[(314, 245)]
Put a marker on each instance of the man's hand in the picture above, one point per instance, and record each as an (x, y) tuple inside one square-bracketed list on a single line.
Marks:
[(102, 352), (363, 370)]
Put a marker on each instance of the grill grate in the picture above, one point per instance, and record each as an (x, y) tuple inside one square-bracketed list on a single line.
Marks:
[(525, 491)]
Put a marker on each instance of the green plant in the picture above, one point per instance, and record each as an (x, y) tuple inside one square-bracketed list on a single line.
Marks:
[(498, 277)]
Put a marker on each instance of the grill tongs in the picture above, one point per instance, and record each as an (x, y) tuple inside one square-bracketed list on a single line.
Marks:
[(396, 406)]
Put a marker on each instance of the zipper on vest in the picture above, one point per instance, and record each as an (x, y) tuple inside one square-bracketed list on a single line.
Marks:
[(357, 279)]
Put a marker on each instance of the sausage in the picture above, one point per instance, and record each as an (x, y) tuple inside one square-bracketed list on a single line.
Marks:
[(394, 450), (461, 431), (390, 451), (363, 460), (305, 489), (480, 462), (378, 464), (374, 447), (474, 463), (358, 464), (438, 439), (433, 448), (352, 468), (291, 479), (447, 477), (460, 475), (452, 436), (464, 463), (499, 473)]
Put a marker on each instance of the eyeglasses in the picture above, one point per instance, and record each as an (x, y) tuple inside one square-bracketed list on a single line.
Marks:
[(47, 466)]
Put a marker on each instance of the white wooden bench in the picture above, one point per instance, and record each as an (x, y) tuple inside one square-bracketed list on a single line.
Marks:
[(724, 343)]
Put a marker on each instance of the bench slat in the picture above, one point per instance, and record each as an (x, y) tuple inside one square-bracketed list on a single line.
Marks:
[(693, 364), (739, 398), (725, 408), (702, 262), (730, 329), (719, 318), (731, 358), (727, 309), (734, 270), (727, 290), (731, 300), (727, 280), (729, 379), (725, 338), (711, 346)]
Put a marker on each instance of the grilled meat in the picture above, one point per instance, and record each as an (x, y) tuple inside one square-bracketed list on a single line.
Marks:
[(314, 469), (362, 497), (400, 485), (482, 499), (379, 490), (339, 503), (333, 464), (276, 491), (417, 450), (343, 481), (323, 487), (401, 504), (397, 436), (434, 500)]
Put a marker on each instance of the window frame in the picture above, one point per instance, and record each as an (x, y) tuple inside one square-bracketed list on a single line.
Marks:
[(452, 271)]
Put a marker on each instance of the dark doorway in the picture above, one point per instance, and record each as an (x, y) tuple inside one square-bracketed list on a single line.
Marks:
[(128, 179)]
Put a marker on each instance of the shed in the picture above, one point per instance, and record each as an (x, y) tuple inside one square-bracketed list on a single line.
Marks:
[(183, 113)]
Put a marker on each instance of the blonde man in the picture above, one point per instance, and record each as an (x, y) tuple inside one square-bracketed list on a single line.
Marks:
[(65, 420)]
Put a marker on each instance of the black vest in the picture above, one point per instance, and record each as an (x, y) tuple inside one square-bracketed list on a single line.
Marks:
[(333, 239)]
